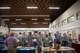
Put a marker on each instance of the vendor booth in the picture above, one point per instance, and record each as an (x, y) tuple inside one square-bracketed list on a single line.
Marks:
[(21, 50)]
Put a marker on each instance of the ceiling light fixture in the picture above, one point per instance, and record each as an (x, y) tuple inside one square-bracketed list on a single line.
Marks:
[(13, 23), (23, 23), (34, 19), (6, 19), (54, 7), (4, 7), (45, 23), (18, 19), (35, 23), (46, 19), (32, 7)]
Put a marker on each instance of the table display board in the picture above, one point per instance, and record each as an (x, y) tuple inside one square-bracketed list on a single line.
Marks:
[(1, 42), (21, 50), (62, 49)]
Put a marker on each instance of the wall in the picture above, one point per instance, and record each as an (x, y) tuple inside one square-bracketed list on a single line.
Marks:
[(71, 11), (0, 21), (4, 29), (69, 27)]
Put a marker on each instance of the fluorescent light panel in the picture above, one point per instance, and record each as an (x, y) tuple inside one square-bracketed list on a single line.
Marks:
[(23, 23), (18, 19), (32, 7), (35, 23), (34, 19), (13, 23), (4, 7), (6, 19), (45, 23), (46, 19), (54, 7)]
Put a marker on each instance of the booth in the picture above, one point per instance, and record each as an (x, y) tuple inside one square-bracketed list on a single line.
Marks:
[(61, 49), (1, 42), (21, 50)]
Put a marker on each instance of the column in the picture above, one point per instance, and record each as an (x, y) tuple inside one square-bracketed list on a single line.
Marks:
[(0, 21)]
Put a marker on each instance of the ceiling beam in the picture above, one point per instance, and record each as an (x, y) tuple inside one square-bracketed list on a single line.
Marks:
[(25, 18), (31, 26), (24, 15), (28, 22)]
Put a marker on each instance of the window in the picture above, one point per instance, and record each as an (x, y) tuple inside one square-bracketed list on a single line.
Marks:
[(53, 27), (64, 22), (56, 25), (71, 19), (60, 24), (78, 15)]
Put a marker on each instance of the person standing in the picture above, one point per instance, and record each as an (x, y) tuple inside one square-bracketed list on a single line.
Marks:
[(58, 37), (69, 40), (50, 40), (11, 42), (34, 41), (24, 39), (20, 39), (65, 40), (46, 41), (40, 41), (30, 39), (58, 41)]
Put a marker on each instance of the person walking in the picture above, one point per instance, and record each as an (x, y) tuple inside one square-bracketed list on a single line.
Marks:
[(11, 42)]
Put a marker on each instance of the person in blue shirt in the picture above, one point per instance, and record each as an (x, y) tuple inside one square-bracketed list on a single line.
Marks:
[(58, 37), (58, 40)]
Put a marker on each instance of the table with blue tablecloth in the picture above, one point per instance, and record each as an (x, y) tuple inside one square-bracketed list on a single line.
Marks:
[(21, 50)]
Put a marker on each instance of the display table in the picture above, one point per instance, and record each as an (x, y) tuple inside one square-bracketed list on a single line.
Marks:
[(21, 50), (62, 49)]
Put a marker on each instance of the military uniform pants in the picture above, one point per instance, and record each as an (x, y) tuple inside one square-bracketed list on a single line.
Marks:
[(11, 50)]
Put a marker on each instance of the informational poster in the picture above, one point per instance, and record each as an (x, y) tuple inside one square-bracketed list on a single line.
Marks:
[(0, 33), (74, 33), (35, 31)]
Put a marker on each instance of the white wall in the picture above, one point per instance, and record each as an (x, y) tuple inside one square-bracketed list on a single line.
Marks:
[(4, 29), (71, 11), (69, 26), (73, 25)]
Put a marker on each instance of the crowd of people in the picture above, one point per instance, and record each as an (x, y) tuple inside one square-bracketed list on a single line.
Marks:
[(37, 40)]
